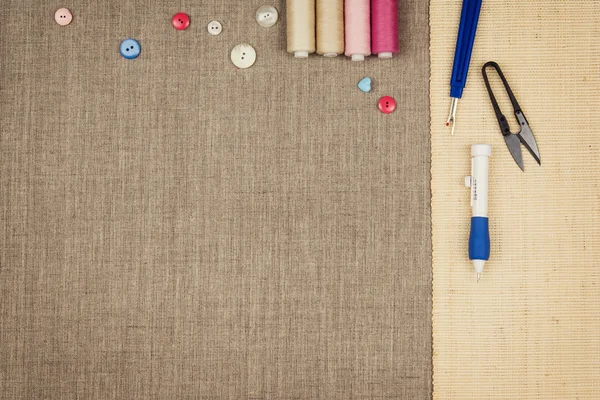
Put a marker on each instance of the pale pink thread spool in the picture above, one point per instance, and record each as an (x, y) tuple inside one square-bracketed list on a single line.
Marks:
[(384, 28), (358, 28)]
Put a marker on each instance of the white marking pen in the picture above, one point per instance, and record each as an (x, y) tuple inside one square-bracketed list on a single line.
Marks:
[(479, 238)]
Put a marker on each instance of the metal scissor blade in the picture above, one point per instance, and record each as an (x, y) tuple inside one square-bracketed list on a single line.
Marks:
[(514, 146), (526, 137)]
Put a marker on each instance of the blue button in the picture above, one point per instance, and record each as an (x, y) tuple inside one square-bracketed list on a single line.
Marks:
[(130, 48)]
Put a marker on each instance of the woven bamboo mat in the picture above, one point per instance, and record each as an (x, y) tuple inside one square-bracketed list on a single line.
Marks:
[(531, 327)]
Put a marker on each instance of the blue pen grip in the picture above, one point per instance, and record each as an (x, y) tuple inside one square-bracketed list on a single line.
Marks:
[(479, 239), (464, 46)]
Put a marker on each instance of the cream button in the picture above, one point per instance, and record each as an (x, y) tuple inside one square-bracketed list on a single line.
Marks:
[(243, 56), (214, 28), (267, 16), (63, 16)]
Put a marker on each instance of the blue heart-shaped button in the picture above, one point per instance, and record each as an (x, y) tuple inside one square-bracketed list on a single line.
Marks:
[(365, 84)]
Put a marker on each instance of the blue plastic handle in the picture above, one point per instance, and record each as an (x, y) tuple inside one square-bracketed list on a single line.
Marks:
[(479, 239), (464, 46)]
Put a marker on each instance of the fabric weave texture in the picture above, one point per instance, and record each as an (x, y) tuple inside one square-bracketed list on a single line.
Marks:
[(172, 227)]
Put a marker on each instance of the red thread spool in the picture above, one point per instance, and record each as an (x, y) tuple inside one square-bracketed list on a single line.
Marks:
[(384, 27)]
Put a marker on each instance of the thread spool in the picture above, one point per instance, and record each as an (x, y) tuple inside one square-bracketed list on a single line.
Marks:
[(357, 23), (330, 27), (384, 28), (300, 27)]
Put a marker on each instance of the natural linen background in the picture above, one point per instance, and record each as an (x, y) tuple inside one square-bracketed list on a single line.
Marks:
[(174, 228), (531, 328)]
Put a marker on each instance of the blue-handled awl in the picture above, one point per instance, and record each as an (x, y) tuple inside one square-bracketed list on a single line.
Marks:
[(479, 238), (462, 54)]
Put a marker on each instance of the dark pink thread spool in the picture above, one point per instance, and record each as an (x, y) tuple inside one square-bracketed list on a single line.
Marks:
[(384, 28)]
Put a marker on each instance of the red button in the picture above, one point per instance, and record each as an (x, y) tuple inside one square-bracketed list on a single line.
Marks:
[(181, 21), (387, 104)]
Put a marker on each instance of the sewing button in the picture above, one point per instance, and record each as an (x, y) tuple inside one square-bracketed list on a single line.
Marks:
[(243, 56), (130, 48), (180, 21), (63, 16), (365, 84), (214, 28), (387, 104), (267, 16)]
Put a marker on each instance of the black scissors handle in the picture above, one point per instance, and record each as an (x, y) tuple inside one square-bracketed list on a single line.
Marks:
[(504, 126)]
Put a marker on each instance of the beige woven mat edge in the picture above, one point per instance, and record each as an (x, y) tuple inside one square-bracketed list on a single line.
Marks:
[(531, 328)]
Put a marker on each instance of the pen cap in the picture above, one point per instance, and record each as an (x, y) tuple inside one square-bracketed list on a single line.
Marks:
[(481, 150), (479, 179)]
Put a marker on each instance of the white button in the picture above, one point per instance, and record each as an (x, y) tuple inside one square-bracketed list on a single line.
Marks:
[(243, 56), (267, 16), (468, 181), (214, 28), (63, 16)]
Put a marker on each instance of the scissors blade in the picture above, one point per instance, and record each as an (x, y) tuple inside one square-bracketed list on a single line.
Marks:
[(526, 137), (514, 146)]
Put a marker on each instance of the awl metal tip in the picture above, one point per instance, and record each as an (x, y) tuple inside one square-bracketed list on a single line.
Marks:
[(451, 121), (478, 276), (452, 117)]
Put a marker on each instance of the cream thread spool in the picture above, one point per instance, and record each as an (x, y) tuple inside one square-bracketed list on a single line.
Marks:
[(330, 27), (300, 27)]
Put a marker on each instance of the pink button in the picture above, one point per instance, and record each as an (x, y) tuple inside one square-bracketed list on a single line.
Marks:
[(387, 104), (63, 16), (180, 21)]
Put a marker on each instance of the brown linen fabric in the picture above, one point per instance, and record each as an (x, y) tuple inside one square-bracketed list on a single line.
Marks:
[(172, 227)]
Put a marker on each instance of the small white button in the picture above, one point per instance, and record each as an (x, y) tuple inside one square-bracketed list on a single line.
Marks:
[(267, 16), (214, 28), (468, 181), (243, 56)]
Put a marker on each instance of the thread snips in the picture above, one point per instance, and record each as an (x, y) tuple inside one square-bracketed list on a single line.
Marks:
[(513, 140)]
